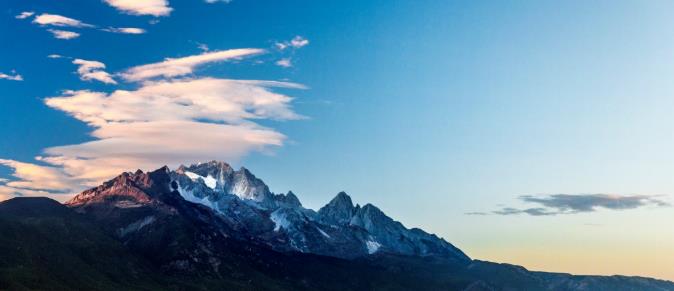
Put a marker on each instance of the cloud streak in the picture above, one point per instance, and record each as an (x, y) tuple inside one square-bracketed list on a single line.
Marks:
[(186, 65), (25, 14), (60, 21), (54, 20), (296, 42), (35, 177), (36, 180), (556, 204), (125, 30), (576, 203), (14, 77)]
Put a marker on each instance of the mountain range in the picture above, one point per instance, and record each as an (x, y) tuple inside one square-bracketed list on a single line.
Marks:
[(210, 227)]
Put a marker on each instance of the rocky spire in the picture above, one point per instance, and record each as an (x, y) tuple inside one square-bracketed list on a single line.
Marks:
[(288, 200), (339, 210)]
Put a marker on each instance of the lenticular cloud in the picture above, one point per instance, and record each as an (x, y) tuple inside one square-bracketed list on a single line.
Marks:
[(162, 122), (170, 122)]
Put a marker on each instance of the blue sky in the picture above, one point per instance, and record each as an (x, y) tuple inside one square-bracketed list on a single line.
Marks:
[(429, 110)]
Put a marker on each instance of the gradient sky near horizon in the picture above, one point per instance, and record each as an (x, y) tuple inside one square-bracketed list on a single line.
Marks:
[(537, 133)]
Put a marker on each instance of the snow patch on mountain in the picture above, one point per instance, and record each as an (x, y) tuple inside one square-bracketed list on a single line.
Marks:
[(133, 227), (323, 232), (208, 180), (372, 246), (280, 220), (189, 196)]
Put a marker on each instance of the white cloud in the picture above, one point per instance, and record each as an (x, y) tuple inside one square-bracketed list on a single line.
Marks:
[(63, 34), (186, 65), (203, 47), (296, 42), (149, 145), (142, 7), (299, 42), (216, 1), (25, 14), (15, 77), (125, 30), (285, 62), (169, 122), (93, 70), (38, 178), (58, 20), (55, 56), (62, 21), (218, 100)]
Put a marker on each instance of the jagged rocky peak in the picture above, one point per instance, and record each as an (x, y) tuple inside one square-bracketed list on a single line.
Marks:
[(289, 200), (339, 210), (247, 186), (128, 186), (372, 219), (213, 179), (213, 169)]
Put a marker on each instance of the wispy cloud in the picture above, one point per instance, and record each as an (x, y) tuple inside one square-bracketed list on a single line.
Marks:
[(216, 1), (58, 20), (14, 77), (63, 34), (37, 180), (556, 204), (537, 211), (125, 30), (93, 70), (203, 47), (285, 62), (589, 202), (35, 177), (296, 42), (54, 20), (142, 7), (25, 14), (184, 66)]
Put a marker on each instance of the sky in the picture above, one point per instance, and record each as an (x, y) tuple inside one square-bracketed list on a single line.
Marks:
[(536, 133)]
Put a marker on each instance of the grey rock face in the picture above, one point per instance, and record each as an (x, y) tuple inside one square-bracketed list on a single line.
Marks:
[(339, 210), (288, 200)]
